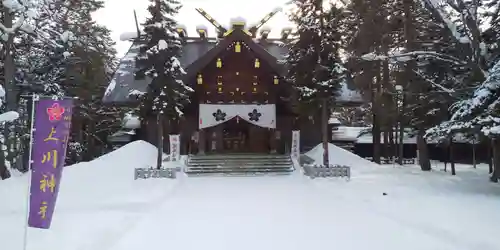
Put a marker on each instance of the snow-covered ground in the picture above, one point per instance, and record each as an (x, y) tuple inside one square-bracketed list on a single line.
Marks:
[(101, 207)]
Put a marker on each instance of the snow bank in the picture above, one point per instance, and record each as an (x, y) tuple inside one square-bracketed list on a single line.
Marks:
[(339, 156), (95, 196)]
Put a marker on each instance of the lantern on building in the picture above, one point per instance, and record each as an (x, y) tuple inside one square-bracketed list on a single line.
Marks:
[(237, 47), (199, 79)]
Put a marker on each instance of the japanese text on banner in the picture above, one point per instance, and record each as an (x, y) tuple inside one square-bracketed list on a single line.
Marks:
[(50, 137)]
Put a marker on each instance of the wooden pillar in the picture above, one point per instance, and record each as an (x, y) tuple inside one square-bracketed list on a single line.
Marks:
[(201, 141), (219, 130), (272, 140)]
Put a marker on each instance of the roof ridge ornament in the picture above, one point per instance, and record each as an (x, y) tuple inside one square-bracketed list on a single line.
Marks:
[(253, 30), (220, 29), (238, 23)]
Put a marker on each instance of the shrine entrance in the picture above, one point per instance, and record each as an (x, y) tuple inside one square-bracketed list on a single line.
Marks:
[(236, 128), (235, 136)]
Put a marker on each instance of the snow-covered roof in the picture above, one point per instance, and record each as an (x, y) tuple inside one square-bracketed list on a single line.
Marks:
[(201, 27), (123, 86), (362, 135), (124, 81), (237, 20), (368, 138)]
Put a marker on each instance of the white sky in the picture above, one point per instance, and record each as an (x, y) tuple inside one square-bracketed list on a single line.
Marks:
[(118, 15)]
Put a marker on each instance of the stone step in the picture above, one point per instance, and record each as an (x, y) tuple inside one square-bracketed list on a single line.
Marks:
[(239, 160), (237, 164), (238, 156), (261, 169), (238, 174), (241, 167)]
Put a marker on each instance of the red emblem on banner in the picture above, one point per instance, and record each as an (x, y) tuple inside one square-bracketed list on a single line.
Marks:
[(201, 122), (55, 112)]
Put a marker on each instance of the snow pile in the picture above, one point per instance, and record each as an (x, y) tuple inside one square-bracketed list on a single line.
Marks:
[(338, 156), (95, 197)]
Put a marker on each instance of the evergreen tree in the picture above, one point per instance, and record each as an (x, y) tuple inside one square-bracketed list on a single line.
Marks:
[(315, 68), (14, 16), (369, 31), (479, 113), (157, 61)]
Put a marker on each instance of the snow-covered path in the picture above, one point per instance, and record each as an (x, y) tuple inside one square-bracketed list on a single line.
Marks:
[(101, 207), (294, 213)]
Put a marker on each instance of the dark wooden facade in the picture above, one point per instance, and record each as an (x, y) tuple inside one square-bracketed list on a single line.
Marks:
[(237, 69)]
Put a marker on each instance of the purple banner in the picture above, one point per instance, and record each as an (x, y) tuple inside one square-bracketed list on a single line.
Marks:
[(50, 139)]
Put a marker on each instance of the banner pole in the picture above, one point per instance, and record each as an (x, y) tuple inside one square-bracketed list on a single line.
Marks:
[(34, 98)]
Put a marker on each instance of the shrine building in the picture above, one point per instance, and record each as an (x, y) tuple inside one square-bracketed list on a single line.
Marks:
[(241, 102)]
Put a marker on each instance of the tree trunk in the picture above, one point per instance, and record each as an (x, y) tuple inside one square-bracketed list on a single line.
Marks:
[(451, 155), (26, 140), (376, 119), (4, 171), (11, 95), (91, 145), (401, 132), (423, 152), (324, 130), (159, 158), (387, 148), (474, 153), (495, 175), (490, 156), (393, 134)]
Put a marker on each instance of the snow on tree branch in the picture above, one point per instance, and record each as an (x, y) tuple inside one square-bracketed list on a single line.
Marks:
[(395, 57), (439, 7), (480, 111)]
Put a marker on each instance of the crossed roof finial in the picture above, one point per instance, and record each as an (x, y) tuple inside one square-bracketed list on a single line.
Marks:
[(221, 31)]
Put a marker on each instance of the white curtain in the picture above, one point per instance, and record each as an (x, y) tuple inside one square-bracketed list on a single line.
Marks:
[(263, 115)]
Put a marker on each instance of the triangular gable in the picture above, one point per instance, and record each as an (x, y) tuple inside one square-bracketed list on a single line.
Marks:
[(236, 35)]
